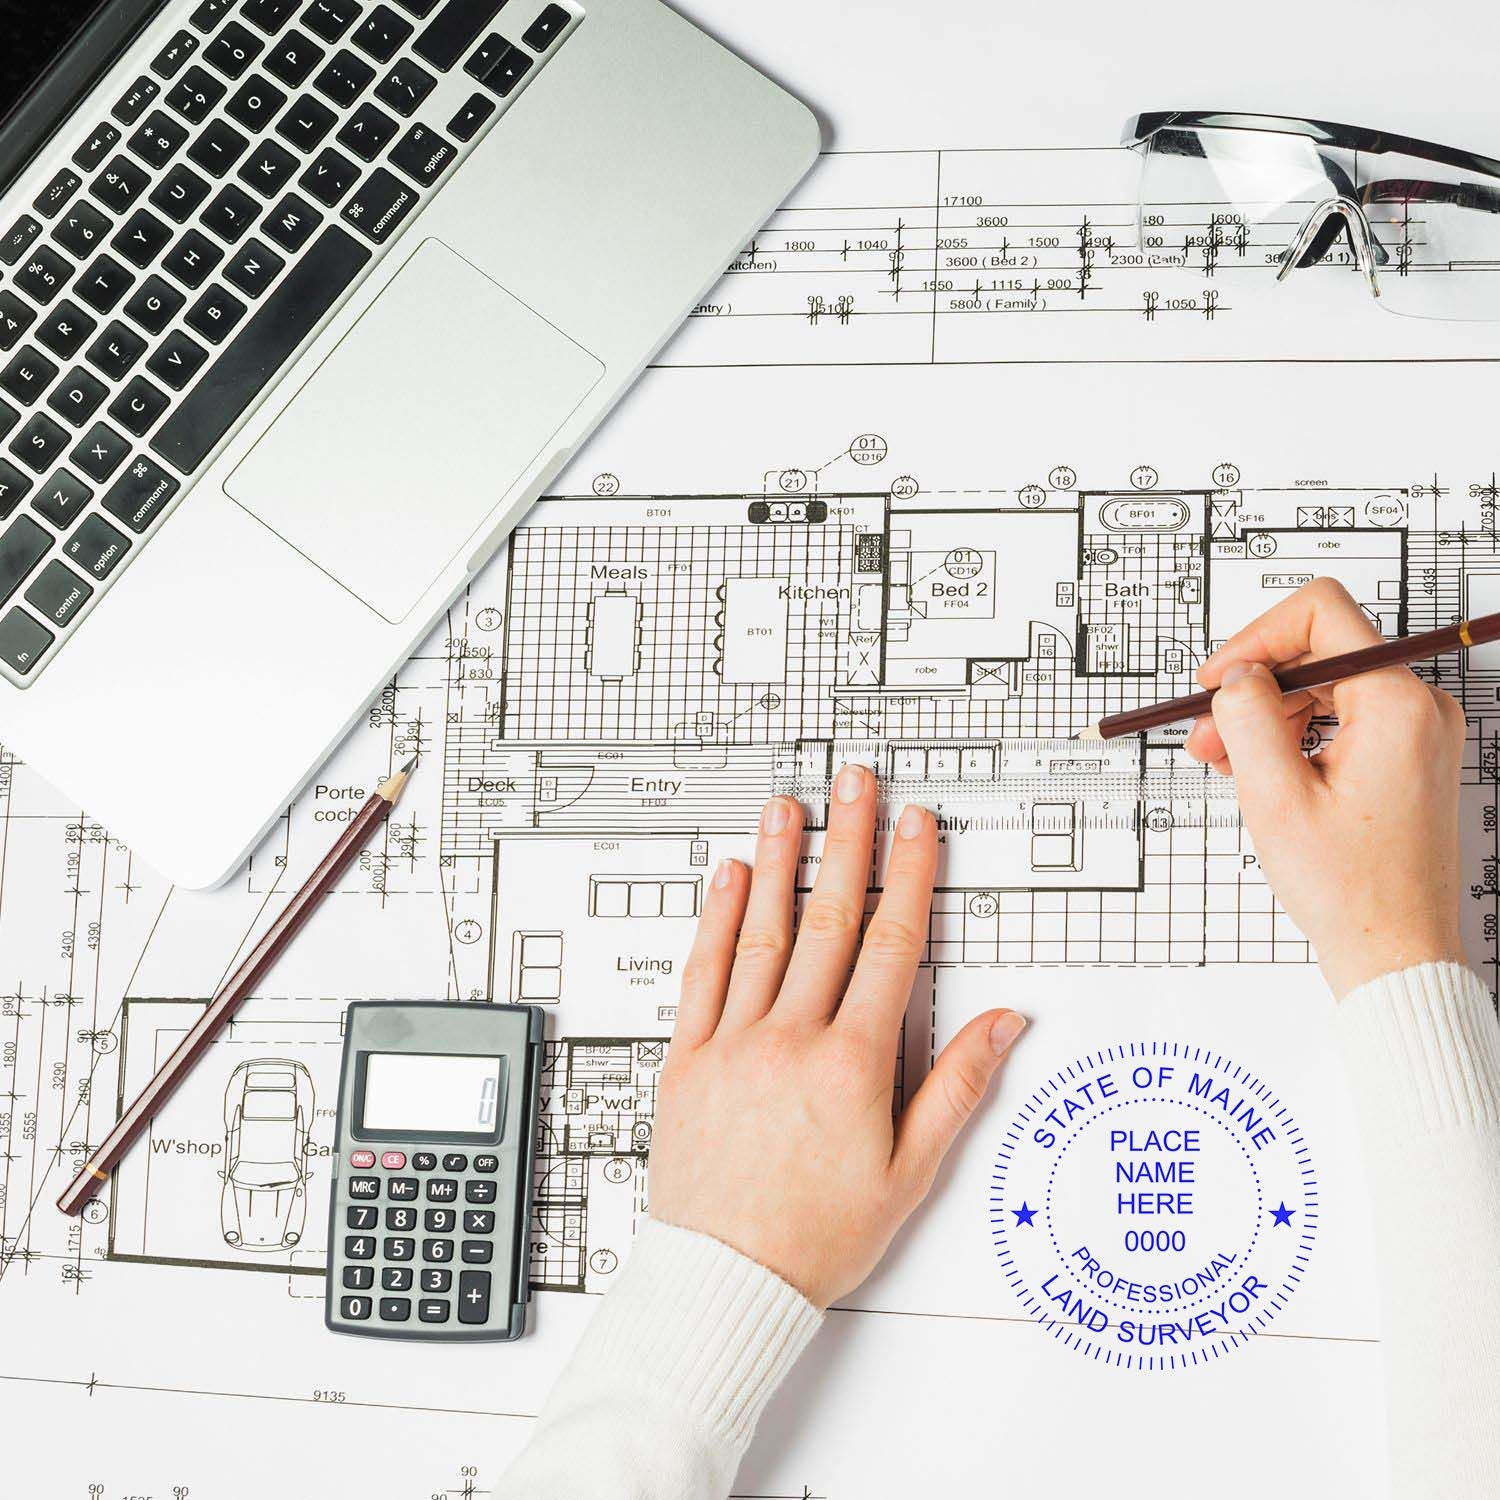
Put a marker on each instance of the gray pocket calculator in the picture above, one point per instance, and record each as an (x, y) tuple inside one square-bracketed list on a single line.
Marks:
[(430, 1204)]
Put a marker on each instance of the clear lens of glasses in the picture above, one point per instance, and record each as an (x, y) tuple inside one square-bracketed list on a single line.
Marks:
[(1232, 201)]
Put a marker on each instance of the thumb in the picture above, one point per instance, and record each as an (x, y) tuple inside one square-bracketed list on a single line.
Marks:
[(1263, 744), (950, 1094)]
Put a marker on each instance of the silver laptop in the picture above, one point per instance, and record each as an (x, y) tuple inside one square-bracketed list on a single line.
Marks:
[(302, 303)]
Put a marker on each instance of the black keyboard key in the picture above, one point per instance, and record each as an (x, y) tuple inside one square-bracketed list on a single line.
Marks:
[(382, 33), (480, 1192), (100, 451), (487, 1162), (215, 314), (364, 1187), (367, 132), (210, 13), (291, 223), (478, 1252), (344, 78), (9, 416), (400, 1188), (422, 154), (157, 139), (269, 16), (120, 184), (359, 1278), (179, 193), (253, 268), (361, 1216), (293, 58), (418, 8), (49, 202), (442, 1189), (58, 594), (436, 1279), (433, 1310), (423, 1161), (399, 1248), (62, 499), (395, 1309), (142, 238), (40, 443), (14, 485), (309, 289), (138, 407), (401, 1220), (154, 304), (465, 124), (231, 213), (330, 19), (115, 351), (194, 95), (128, 107), (28, 375), (18, 238), (479, 1221), (486, 55), (354, 1309), (381, 205), (510, 68), (546, 28), (306, 123), (22, 641), (81, 230), (64, 329), (437, 1250), (405, 87), (140, 494), (218, 148), (268, 168), (104, 283), (96, 548), (359, 1246), (22, 546), (455, 1161), (473, 1296), (43, 274), (330, 177), (100, 141), (396, 1278), (255, 103), (233, 50), (15, 318), (168, 62), (192, 259), (453, 30), (77, 396), (436, 1220), (177, 359)]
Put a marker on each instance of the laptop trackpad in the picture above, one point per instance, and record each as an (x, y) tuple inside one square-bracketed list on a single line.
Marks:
[(412, 429)]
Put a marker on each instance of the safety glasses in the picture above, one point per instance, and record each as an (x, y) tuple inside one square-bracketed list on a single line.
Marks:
[(1420, 222)]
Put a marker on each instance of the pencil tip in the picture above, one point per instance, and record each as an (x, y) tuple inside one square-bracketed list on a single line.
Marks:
[(410, 766), (1091, 733)]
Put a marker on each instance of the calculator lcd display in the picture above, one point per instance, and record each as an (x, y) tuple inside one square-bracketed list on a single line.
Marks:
[(427, 1093)]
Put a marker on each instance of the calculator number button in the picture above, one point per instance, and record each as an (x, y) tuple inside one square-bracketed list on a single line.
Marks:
[(400, 1248), (396, 1278), (478, 1192), (439, 1220), (437, 1250), (401, 1220), (434, 1280), (360, 1247), (355, 1309), (359, 1278), (362, 1215)]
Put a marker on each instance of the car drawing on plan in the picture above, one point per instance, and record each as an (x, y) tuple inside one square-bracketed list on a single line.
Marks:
[(268, 1111)]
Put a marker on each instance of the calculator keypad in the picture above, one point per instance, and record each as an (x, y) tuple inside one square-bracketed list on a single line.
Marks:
[(413, 1230)]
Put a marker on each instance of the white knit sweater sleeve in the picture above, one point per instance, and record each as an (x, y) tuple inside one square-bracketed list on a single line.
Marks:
[(661, 1397), (1422, 1049)]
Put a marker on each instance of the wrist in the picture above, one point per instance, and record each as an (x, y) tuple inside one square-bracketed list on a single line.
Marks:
[(1347, 967)]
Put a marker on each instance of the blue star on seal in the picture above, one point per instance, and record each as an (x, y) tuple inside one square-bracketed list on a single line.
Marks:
[(1283, 1215), (1023, 1214)]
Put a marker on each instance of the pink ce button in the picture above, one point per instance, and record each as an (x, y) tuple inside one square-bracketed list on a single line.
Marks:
[(361, 1159), (393, 1161)]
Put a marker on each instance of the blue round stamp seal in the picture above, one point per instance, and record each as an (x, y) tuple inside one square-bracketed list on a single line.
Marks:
[(1153, 1205)]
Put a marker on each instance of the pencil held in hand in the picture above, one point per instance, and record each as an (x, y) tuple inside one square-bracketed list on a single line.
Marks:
[(95, 1171)]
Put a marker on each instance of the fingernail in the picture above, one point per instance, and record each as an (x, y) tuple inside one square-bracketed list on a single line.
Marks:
[(724, 874), (1235, 671), (850, 785), (773, 817), (1008, 1026), (913, 820)]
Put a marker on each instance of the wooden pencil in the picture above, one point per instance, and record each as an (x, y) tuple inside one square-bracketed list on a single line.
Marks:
[(1407, 648), (95, 1171)]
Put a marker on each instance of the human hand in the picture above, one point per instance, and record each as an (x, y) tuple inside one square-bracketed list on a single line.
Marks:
[(774, 1129), (1360, 842)]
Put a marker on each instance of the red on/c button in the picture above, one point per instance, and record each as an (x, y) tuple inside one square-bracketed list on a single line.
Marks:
[(393, 1161), (361, 1159)]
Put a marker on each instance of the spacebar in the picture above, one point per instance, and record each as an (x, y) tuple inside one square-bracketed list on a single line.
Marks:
[(309, 289)]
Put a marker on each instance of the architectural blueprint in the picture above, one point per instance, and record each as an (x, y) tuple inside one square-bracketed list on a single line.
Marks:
[(939, 474)]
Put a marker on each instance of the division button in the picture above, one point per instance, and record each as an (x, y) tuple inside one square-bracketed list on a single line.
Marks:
[(480, 1192)]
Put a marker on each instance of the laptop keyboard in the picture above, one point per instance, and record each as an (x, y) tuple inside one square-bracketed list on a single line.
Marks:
[(198, 235)]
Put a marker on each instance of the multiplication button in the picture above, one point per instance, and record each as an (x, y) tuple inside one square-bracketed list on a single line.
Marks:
[(476, 1221)]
